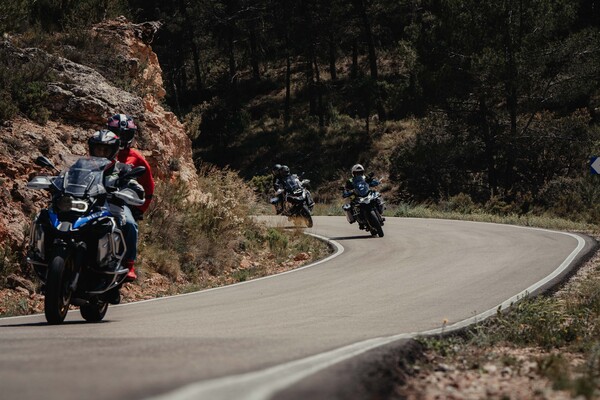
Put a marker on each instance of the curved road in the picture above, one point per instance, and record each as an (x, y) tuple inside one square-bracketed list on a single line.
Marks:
[(252, 340)]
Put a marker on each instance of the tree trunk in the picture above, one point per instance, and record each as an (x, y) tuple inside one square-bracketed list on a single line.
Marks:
[(254, 54), (332, 57), (288, 65), (310, 81), (288, 73), (489, 140), (231, 55), (190, 35), (361, 9), (319, 95), (511, 93), (310, 56), (366, 24), (354, 67)]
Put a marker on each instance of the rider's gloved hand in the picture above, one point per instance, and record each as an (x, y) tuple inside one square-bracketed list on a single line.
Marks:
[(137, 214)]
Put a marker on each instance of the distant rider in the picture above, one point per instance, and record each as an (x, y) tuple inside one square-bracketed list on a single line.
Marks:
[(280, 174), (277, 183), (359, 171), (124, 126)]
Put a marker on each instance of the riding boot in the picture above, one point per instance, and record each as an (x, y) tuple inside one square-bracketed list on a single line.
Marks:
[(131, 275)]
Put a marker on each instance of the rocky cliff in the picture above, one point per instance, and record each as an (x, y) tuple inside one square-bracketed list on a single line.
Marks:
[(80, 100)]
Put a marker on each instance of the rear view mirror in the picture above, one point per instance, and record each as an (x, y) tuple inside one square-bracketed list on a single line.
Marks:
[(45, 162)]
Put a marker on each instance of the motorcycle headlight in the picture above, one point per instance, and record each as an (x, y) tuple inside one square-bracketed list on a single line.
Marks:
[(67, 203), (64, 203), (79, 205)]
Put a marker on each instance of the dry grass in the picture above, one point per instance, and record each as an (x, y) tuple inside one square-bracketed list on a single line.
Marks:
[(208, 241), (546, 346)]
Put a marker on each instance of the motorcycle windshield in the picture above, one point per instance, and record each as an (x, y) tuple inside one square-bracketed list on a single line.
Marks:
[(85, 177), (361, 187), (292, 183)]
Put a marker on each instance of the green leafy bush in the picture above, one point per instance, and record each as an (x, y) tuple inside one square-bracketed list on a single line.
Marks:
[(23, 87)]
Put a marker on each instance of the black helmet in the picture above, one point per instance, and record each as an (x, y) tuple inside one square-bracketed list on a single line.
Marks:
[(104, 143), (276, 168), (123, 126)]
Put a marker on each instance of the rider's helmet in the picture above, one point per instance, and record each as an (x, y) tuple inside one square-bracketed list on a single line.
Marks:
[(285, 170), (124, 127), (105, 144), (358, 169), (276, 169)]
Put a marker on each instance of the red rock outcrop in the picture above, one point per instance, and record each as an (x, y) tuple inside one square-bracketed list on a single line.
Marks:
[(81, 100)]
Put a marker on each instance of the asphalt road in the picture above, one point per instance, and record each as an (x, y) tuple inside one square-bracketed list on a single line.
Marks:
[(251, 340)]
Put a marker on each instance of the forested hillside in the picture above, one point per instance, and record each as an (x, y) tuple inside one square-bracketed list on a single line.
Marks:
[(498, 102)]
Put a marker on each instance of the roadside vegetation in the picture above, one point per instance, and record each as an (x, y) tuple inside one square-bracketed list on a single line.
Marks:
[(215, 235), (543, 347)]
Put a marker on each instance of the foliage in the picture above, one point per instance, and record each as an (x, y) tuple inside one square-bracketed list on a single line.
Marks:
[(9, 262), (206, 234), (23, 87), (263, 186), (198, 234), (507, 91), (537, 322)]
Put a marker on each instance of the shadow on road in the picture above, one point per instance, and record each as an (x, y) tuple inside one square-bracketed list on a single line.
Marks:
[(352, 237), (30, 324)]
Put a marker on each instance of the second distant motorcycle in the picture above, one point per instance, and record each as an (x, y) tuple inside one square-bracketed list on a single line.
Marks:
[(293, 199)]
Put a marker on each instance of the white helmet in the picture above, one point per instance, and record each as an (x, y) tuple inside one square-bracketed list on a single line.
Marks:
[(357, 168)]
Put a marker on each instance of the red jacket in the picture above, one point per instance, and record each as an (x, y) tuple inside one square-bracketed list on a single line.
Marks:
[(135, 158)]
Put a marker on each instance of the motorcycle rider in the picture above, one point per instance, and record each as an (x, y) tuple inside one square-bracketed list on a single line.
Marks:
[(280, 173), (105, 143), (277, 184), (359, 170), (124, 126)]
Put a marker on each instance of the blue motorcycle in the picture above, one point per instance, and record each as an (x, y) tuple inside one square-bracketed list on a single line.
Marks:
[(365, 206), (75, 246)]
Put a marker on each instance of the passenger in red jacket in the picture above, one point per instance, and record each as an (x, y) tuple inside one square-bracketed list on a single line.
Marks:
[(124, 126)]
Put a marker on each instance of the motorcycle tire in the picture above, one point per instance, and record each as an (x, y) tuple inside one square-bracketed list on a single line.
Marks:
[(375, 224), (307, 217), (93, 312), (58, 291)]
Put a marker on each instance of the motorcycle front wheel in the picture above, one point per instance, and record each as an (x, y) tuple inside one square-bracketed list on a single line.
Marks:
[(58, 290), (93, 312), (307, 217), (375, 224)]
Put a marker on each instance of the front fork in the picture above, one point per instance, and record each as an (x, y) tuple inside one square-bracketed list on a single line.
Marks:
[(74, 255)]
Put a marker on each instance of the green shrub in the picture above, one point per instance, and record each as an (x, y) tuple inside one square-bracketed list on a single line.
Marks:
[(278, 243), (539, 322), (262, 185), (9, 262), (461, 203), (8, 108), (24, 87)]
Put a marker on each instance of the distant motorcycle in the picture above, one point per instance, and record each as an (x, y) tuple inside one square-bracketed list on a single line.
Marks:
[(297, 203), (365, 206), (76, 247)]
